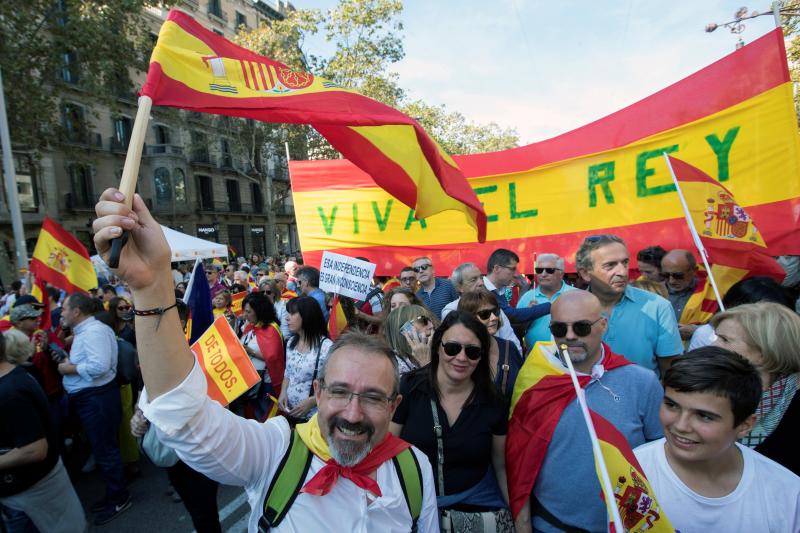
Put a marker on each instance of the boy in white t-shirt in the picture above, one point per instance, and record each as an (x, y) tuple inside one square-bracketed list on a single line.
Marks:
[(702, 478)]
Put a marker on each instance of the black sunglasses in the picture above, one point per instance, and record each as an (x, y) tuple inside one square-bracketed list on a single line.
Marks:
[(453, 348), (674, 275), (486, 314), (549, 270), (581, 328), (422, 268)]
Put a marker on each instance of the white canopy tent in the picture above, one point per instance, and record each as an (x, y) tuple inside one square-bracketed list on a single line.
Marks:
[(185, 247)]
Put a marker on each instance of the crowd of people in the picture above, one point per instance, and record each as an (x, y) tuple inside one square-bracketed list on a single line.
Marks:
[(403, 422)]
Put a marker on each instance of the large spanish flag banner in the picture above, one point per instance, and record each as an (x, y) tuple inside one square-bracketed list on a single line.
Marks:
[(542, 391), (226, 365), (61, 260), (736, 249), (193, 68), (734, 120)]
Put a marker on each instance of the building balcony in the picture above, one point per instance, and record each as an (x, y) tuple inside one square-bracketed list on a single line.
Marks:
[(163, 149), (201, 158)]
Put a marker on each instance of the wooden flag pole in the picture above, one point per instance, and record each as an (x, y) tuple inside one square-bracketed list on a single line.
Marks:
[(130, 173), (608, 490), (695, 237)]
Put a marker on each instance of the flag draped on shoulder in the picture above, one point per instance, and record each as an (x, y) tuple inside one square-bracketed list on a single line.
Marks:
[(736, 250), (193, 68), (61, 260), (541, 393), (198, 299)]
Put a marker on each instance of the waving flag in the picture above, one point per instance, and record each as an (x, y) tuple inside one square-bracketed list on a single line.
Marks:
[(236, 303), (198, 299), (541, 393), (193, 68), (337, 321), (736, 249), (61, 260)]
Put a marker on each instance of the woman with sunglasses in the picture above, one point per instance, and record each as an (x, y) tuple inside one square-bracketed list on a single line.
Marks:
[(408, 330), (450, 410), (504, 358), (122, 318), (306, 353), (263, 342)]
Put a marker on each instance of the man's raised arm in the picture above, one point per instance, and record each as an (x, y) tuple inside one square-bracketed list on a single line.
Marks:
[(145, 264)]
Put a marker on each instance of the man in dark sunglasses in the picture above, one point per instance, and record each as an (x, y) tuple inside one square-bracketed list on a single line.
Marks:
[(625, 395), (549, 269), (641, 324), (679, 269), (434, 292)]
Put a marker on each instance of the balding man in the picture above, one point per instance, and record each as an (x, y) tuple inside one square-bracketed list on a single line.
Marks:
[(549, 269), (468, 277), (565, 495), (679, 269)]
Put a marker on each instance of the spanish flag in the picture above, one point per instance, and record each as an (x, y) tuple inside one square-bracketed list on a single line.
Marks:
[(390, 284), (39, 291), (193, 68), (541, 393), (736, 249), (236, 303), (337, 321), (226, 365), (61, 260)]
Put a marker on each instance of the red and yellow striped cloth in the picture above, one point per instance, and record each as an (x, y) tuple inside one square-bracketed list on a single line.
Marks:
[(337, 321), (541, 393), (193, 68), (61, 260)]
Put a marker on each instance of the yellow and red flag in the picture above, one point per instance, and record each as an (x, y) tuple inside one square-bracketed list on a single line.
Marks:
[(39, 291), (61, 260), (226, 365), (736, 249), (193, 68), (542, 391), (337, 321), (236, 303), (390, 284), (734, 119)]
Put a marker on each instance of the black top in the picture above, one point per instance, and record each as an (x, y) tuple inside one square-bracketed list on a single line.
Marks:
[(24, 419), (780, 445), (467, 444)]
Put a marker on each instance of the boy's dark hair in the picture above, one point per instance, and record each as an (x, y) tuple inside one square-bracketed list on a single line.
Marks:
[(501, 257), (721, 372)]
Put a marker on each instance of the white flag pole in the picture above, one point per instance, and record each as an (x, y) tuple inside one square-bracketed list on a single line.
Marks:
[(608, 491), (695, 237)]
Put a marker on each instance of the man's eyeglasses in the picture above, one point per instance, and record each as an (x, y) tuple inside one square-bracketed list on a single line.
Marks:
[(408, 279), (340, 397), (549, 270), (581, 328), (453, 348), (486, 314), (674, 275), (422, 268)]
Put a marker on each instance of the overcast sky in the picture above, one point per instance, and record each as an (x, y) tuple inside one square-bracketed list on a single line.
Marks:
[(544, 68)]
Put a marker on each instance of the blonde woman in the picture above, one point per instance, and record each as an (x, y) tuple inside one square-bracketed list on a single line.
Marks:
[(768, 334), (408, 330)]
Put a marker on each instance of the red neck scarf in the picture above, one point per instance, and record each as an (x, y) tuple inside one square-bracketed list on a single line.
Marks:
[(324, 480)]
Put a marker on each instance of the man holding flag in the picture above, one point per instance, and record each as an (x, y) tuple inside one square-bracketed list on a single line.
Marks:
[(551, 468)]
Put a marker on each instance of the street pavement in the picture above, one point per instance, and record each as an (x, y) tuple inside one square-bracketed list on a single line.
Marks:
[(153, 510)]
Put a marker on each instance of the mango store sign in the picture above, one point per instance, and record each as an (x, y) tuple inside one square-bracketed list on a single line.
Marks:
[(345, 275)]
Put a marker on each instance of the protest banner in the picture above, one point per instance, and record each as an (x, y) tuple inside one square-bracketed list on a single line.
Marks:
[(226, 365), (345, 275), (734, 120)]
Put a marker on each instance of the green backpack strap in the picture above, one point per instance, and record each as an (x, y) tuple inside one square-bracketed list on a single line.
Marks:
[(286, 483), (410, 476)]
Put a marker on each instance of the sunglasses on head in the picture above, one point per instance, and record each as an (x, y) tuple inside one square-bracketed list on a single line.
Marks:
[(453, 348), (581, 328), (486, 314), (674, 275), (549, 270)]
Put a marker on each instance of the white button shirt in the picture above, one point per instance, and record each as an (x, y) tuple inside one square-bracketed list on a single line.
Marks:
[(236, 451)]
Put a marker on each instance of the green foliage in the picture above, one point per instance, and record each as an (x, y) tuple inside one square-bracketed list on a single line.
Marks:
[(53, 48)]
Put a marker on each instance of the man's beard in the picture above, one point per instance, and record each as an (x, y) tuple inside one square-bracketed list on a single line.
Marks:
[(577, 357), (344, 451)]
